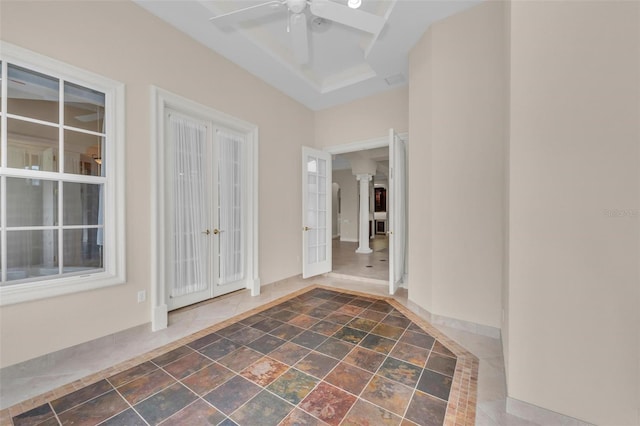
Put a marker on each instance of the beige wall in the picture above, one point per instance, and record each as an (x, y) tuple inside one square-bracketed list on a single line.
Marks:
[(419, 176), (122, 41), (363, 119), (574, 208), (456, 166)]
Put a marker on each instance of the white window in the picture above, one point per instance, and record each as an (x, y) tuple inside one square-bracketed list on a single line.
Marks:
[(61, 178)]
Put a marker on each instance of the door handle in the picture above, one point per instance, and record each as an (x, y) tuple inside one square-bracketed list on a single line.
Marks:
[(207, 232), (306, 228), (216, 231)]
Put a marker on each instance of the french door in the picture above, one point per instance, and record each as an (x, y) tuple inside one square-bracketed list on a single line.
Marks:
[(316, 212), (205, 210), (397, 215)]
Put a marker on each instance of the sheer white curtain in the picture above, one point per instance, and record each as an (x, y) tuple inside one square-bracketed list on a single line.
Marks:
[(231, 206), (188, 155)]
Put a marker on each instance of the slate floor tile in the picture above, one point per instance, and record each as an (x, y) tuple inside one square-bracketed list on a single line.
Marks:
[(442, 364), (267, 324), (202, 342), (365, 413), (413, 354), (372, 315), (326, 328), (350, 378), (426, 410), (309, 339), (339, 318), (396, 321), (230, 329), (417, 339), (89, 392), (265, 409), (145, 386), (335, 348), (388, 331), (207, 379), (400, 371), (128, 417), (365, 359), (187, 365), (34, 416), (239, 359), (232, 394), (286, 331), (198, 413), (388, 394), (164, 404), (266, 344), (289, 353), (328, 403), (293, 385), (264, 371), (441, 349), (377, 343), (363, 324), (435, 384), (246, 335), (299, 418), (303, 321), (316, 364), (350, 335), (95, 411), (218, 349), (174, 355)]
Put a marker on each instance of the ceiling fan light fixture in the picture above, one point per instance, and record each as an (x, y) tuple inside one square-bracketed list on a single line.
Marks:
[(354, 4)]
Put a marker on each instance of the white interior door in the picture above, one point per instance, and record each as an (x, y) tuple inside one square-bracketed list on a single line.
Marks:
[(316, 212), (188, 219), (397, 214), (230, 234), (206, 210)]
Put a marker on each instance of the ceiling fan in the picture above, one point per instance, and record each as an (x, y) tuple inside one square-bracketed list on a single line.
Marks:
[(325, 9)]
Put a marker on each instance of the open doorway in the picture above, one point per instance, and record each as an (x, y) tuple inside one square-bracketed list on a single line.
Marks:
[(346, 215), (361, 226)]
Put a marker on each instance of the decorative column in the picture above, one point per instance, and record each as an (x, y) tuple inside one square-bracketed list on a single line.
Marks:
[(363, 239)]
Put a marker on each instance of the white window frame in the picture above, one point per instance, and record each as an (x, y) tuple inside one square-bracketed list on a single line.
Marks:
[(114, 253)]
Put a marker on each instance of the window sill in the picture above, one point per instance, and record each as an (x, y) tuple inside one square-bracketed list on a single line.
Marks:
[(28, 292)]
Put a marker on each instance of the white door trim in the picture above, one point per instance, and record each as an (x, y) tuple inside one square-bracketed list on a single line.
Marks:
[(373, 143), (160, 101)]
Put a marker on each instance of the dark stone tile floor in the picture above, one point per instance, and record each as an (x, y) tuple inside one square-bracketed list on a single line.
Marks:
[(321, 358)]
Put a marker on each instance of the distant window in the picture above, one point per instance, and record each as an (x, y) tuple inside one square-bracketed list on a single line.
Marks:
[(60, 138)]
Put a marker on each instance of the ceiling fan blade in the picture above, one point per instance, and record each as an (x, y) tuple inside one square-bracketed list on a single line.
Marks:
[(299, 37), (333, 11), (247, 13)]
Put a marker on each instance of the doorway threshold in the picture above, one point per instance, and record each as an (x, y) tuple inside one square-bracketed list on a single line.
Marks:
[(356, 278)]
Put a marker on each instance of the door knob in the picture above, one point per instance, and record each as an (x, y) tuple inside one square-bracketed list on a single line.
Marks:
[(207, 232), (306, 228), (216, 231)]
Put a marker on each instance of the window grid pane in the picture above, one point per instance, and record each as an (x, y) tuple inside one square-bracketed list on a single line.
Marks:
[(38, 244)]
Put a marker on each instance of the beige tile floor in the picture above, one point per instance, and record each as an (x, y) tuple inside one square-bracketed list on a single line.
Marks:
[(32, 378), (373, 266)]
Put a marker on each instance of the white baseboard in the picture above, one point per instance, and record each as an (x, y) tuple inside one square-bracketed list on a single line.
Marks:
[(483, 330), (349, 240), (540, 415)]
